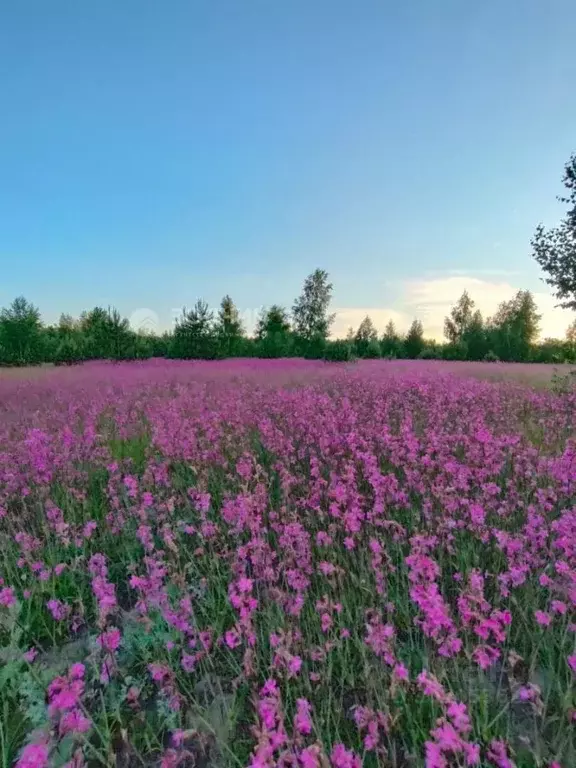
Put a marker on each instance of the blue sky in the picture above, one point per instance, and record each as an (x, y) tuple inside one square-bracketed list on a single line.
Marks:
[(152, 152)]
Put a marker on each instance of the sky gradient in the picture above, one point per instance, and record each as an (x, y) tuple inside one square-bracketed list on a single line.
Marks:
[(155, 152)]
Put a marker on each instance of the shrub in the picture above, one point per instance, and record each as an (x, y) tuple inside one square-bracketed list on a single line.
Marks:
[(338, 351)]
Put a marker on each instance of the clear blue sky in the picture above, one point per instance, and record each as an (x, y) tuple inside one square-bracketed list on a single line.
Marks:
[(154, 151)]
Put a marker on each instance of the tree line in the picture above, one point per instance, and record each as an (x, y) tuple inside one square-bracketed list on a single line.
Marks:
[(304, 331)]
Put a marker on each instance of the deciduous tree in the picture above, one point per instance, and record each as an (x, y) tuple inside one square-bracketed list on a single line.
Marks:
[(555, 249)]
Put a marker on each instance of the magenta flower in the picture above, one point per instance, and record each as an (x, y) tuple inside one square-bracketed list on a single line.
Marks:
[(34, 756), (302, 721), (543, 619), (7, 597), (110, 640)]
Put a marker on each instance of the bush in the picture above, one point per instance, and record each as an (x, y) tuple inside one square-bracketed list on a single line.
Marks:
[(372, 351), (337, 351), (457, 351), (430, 353), (491, 357), (68, 352)]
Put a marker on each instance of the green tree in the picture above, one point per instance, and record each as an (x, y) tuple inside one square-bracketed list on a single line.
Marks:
[(229, 329), (120, 336), (456, 325), (194, 335), (107, 335), (391, 342), (414, 341), (338, 351), (474, 337), (365, 338), (311, 318), (555, 249), (67, 324), (515, 327), (94, 327), (273, 333), (21, 333), (465, 332), (65, 342)]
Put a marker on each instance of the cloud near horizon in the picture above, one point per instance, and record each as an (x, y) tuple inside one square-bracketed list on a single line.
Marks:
[(431, 300)]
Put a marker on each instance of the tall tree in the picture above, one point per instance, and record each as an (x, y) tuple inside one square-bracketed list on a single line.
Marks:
[(555, 249), (20, 333), (456, 325), (391, 343), (106, 333), (67, 324), (66, 341), (515, 327), (194, 336), (414, 341), (229, 328), (365, 338), (474, 338), (310, 314), (273, 332)]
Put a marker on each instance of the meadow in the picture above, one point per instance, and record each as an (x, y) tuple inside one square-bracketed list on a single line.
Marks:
[(287, 563)]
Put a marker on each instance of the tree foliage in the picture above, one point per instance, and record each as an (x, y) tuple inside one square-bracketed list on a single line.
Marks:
[(21, 337), (460, 318), (229, 329), (366, 339), (195, 334), (391, 342), (555, 249), (310, 315), (273, 333), (514, 328), (414, 342)]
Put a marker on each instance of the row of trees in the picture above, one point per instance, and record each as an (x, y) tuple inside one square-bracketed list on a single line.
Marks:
[(198, 334), (511, 334)]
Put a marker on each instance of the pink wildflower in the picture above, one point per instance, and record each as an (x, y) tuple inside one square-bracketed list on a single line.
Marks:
[(30, 655), (302, 721), (34, 756), (341, 757), (7, 597), (110, 640), (543, 618)]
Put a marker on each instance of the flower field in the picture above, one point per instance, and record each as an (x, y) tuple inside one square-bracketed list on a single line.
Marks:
[(286, 563)]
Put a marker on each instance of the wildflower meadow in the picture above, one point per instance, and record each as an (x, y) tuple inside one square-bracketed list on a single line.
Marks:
[(286, 563)]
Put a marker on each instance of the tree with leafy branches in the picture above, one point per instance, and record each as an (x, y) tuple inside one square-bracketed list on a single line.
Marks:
[(391, 342), (475, 338), (513, 330), (555, 249), (465, 332), (21, 338), (456, 324), (414, 341), (366, 339), (310, 316), (194, 336), (273, 332), (229, 329)]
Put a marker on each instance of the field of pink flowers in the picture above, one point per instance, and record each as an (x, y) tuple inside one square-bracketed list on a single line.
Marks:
[(286, 563)]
